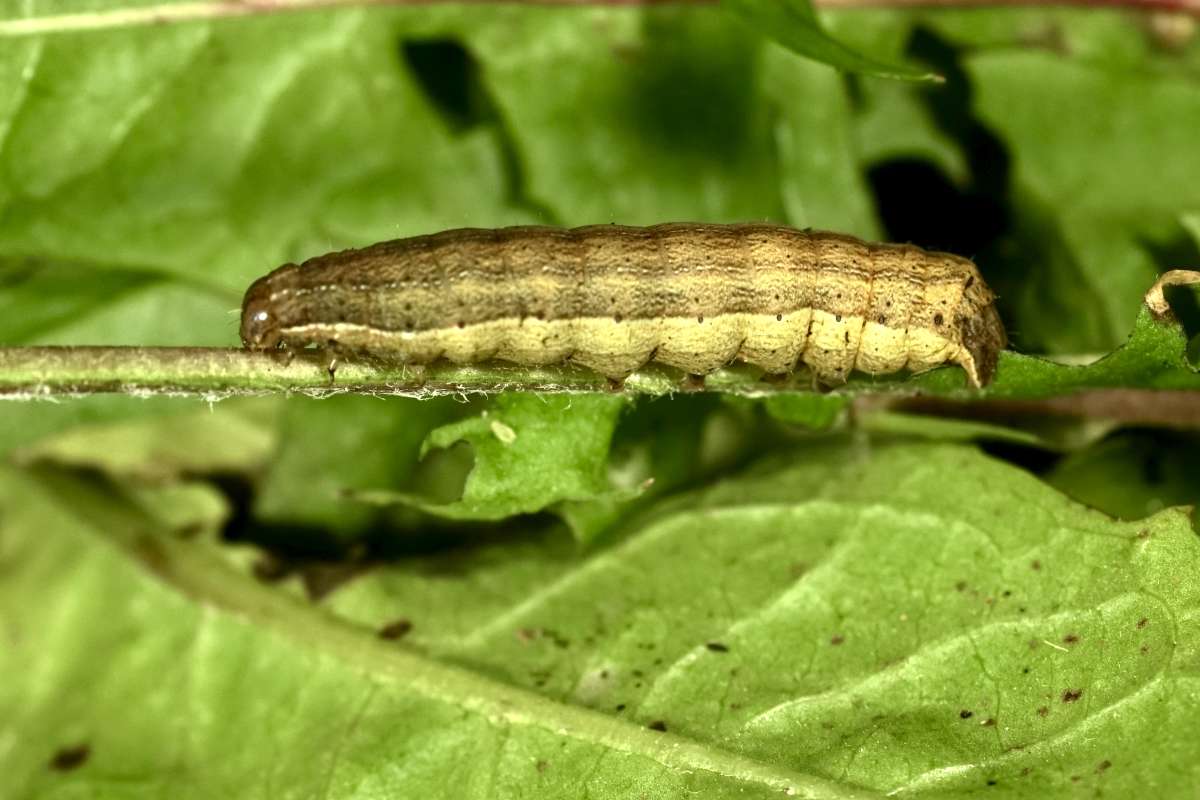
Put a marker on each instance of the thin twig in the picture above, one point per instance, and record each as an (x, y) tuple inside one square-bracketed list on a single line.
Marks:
[(173, 13), (1170, 408)]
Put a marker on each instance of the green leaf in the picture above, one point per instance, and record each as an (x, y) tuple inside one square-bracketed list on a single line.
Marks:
[(37, 298), (1191, 223), (820, 175), (928, 621), (1155, 356), (531, 452), (814, 410), (216, 153), (330, 448), (686, 132), (793, 24), (25, 423), (948, 430), (1131, 476), (1109, 186), (895, 123), (161, 449)]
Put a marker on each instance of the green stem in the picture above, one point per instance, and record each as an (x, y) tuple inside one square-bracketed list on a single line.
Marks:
[(32, 372)]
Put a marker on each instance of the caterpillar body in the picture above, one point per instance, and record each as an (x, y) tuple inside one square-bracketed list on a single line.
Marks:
[(613, 298)]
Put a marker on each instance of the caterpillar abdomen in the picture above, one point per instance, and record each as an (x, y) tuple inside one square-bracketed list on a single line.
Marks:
[(612, 298)]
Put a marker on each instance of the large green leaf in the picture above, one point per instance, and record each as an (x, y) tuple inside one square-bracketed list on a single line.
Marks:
[(929, 621)]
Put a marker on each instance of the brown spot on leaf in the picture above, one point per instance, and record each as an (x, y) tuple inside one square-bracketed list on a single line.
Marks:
[(1102, 766), (717, 647), (1035, 565), (961, 586), (397, 629), (990, 722), (1071, 638), (541, 765), (836, 639), (1071, 695), (965, 714), (658, 725), (1044, 711), (69, 758), (1143, 622)]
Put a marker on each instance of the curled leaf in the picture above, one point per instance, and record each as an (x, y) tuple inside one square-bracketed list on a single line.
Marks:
[(1157, 302)]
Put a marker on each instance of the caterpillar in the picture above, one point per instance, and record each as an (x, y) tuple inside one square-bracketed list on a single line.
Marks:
[(613, 298)]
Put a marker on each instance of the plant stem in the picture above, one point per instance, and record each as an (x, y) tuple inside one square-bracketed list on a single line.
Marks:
[(32, 372), (171, 13), (28, 373)]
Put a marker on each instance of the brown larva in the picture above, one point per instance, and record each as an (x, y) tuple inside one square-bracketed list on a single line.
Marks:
[(612, 298)]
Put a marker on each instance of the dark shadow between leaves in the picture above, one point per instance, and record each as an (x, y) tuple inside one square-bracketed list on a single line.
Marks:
[(325, 562)]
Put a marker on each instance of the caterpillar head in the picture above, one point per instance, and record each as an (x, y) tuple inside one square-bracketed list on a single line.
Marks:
[(260, 320)]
